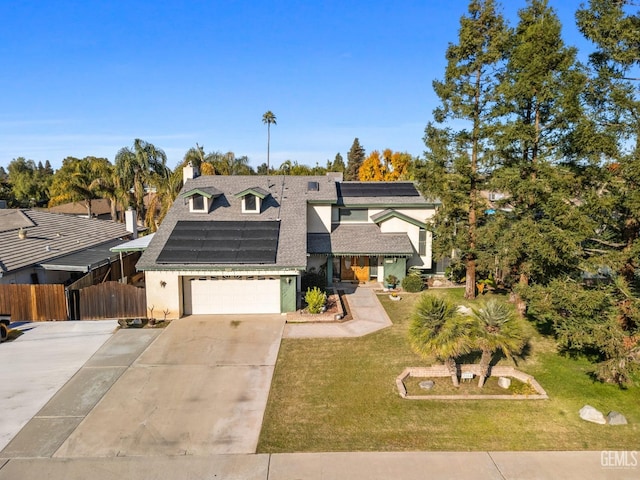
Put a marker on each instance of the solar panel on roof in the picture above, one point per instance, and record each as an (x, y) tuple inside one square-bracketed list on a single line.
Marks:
[(377, 189), (241, 242)]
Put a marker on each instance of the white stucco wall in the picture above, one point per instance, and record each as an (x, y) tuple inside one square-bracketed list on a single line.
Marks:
[(397, 225), (318, 218), (164, 298)]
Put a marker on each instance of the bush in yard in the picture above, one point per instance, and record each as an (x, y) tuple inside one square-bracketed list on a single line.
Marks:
[(315, 299), (412, 283), (313, 279)]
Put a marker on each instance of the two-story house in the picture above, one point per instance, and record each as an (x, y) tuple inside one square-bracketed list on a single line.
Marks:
[(239, 244)]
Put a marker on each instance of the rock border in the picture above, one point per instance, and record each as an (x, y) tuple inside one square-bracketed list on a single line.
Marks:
[(442, 371)]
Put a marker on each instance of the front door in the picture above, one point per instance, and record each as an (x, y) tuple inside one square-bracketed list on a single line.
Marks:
[(355, 268)]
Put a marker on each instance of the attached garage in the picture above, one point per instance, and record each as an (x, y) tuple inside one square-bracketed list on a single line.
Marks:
[(217, 295)]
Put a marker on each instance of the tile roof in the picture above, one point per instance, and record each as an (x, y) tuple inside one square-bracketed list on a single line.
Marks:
[(99, 206), (363, 239), (50, 236), (286, 202)]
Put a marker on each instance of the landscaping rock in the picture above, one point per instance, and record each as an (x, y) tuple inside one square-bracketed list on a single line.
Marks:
[(590, 414), (616, 418), (504, 382), (427, 384)]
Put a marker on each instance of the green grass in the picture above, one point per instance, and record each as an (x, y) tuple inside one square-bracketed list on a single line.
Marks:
[(340, 395)]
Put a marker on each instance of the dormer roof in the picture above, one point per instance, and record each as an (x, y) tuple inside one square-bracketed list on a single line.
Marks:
[(261, 193), (208, 192)]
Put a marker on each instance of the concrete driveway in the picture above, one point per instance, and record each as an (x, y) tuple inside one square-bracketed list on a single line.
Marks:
[(39, 362), (199, 389)]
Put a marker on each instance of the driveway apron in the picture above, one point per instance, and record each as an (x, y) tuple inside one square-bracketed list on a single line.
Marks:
[(199, 389)]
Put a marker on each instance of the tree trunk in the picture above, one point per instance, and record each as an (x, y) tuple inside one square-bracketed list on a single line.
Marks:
[(470, 280), (453, 370), (485, 360)]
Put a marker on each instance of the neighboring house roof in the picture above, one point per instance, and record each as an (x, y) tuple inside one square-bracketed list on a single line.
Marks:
[(388, 194), (285, 201), (362, 239), (50, 236), (99, 206), (84, 261)]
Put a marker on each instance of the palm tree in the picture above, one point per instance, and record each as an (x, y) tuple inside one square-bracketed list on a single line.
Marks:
[(229, 164), (75, 181), (134, 166), (496, 327), (167, 188), (437, 329), (268, 118)]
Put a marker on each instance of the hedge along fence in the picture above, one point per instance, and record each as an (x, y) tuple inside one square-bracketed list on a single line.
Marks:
[(33, 303), (443, 371)]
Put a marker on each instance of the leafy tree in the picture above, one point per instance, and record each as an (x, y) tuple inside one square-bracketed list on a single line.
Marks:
[(372, 168), (496, 329), (29, 186), (437, 329), (355, 157), (540, 111), (75, 181), (455, 158), (390, 166), (268, 118), (134, 168)]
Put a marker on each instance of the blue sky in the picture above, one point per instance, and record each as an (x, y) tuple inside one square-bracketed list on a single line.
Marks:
[(87, 77)]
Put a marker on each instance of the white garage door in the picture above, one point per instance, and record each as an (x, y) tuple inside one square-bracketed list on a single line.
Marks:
[(208, 295)]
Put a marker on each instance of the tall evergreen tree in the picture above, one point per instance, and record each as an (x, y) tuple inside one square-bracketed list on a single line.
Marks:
[(355, 157), (459, 157), (541, 110), (337, 165)]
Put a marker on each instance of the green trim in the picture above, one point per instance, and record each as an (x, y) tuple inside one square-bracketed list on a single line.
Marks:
[(258, 192), (394, 214), (390, 205), (292, 269), (197, 191)]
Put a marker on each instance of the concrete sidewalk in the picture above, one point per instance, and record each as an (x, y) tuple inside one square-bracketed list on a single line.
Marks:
[(332, 466), (368, 317)]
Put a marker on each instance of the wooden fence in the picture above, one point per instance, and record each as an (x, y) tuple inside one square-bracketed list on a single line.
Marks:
[(33, 303), (112, 300)]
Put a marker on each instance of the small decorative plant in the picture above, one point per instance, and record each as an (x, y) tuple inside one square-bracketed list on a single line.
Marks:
[(391, 280), (315, 299)]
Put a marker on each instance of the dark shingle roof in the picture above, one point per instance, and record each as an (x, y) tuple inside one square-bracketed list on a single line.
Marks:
[(286, 202), (364, 239)]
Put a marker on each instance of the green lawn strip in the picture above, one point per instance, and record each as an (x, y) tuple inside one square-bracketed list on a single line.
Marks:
[(340, 395)]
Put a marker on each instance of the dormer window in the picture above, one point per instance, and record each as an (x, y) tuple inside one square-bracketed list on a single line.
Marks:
[(201, 199), (198, 203), (252, 199), (250, 204)]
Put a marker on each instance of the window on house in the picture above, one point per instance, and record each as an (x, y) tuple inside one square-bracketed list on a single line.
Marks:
[(198, 203), (354, 215), (422, 242), (251, 204)]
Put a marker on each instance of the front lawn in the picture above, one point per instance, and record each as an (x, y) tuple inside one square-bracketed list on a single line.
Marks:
[(340, 395)]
